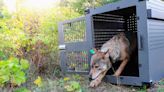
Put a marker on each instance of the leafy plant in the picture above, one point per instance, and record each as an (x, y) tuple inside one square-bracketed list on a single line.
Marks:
[(38, 82), (143, 89), (160, 89), (22, 89), (2, 56), (66, 79), (73, 86), (60, 82), (161, 82), (76, 77), (12, 71)]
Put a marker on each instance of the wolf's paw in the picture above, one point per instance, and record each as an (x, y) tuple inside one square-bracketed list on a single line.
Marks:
[(116, 75), (95, 83)]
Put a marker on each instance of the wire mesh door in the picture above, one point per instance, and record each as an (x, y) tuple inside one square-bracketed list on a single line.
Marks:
[(73, 46)]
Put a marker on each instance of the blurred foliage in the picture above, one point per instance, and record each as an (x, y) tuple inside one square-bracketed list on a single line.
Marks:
[(32, 33), (75, 32), (25, 27)]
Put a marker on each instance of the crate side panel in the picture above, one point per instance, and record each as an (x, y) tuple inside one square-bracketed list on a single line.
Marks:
[(142, 42), (157, 5), (156, 9), (126, 80), (156, 49)]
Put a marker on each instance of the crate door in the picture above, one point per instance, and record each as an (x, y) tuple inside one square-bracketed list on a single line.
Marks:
[(73, 46)]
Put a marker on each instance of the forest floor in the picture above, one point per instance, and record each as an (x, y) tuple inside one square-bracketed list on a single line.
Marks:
[(79, 83)]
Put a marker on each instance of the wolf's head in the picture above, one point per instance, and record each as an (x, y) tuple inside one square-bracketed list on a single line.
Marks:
[(100, 63)]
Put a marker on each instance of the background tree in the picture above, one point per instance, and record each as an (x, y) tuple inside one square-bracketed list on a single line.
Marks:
[(80, 5)]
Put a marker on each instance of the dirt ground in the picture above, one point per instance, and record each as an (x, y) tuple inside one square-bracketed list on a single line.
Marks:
[(108, 87)]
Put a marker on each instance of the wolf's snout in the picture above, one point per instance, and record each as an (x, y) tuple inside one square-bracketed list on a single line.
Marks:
[(90, 78), (90, 75)]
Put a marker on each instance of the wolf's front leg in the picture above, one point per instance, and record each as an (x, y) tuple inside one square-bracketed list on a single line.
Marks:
[(98, 80), (121, 68), (95, 83)]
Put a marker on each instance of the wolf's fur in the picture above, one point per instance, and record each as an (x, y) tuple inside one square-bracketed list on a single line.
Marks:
[(114, 46), (117, 48)]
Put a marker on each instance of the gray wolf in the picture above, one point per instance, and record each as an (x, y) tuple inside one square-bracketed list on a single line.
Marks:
[(116, 49)]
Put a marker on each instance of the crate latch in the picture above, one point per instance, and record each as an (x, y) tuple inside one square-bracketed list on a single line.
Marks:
[(62, 47)]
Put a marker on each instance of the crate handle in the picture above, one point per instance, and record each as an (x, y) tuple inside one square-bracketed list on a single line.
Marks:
[(140, 42)]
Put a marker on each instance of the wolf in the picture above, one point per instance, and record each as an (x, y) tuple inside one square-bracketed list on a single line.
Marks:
[(115, 49)]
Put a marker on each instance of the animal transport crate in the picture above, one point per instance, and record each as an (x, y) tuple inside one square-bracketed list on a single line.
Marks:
[(143, 19)]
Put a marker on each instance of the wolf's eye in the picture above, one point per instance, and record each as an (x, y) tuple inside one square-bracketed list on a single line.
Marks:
[(96, 66), (99, 69)]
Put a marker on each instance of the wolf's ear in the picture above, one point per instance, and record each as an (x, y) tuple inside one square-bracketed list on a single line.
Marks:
[(105, 54), (95, 50), (104, 50)]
